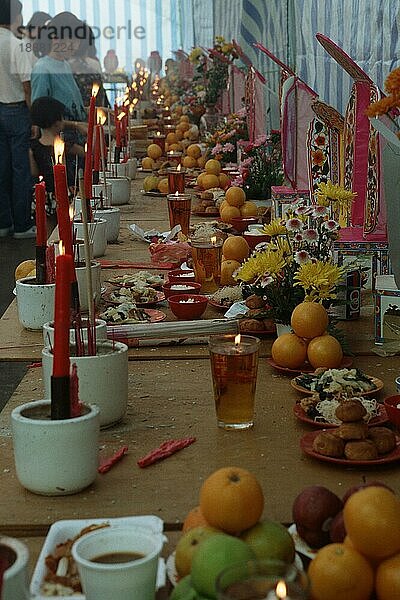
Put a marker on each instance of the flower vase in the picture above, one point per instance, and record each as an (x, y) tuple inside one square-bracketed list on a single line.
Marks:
[(55, 457), (282, 328)]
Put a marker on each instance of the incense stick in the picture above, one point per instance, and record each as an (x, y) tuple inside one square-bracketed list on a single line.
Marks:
[(88, 261)]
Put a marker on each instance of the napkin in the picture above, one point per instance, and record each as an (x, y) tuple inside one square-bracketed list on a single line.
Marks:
[(148, 236)]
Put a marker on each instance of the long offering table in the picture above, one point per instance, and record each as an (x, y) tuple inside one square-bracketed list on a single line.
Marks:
[(170, 396)]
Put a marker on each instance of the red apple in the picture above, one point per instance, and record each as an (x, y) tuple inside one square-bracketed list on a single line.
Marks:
[(313, 510), (337, 530)]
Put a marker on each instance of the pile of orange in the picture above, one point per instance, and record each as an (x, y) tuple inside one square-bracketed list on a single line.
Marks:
[(309, 340), (234, 251), (369, 559), (236, 205), (212, 176)]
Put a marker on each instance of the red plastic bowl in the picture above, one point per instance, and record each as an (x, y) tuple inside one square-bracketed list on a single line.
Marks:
[(192, 288), (186, 311), (242, 223), (392, 411), (181, 275), (253, 240)]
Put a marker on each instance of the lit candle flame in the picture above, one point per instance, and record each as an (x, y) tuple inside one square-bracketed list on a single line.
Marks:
[(41, 178), (171, 152), (61, 248), (71, 213), (59, 146), (281, 591), (120, 116), (176, 194), (158, 133), (95, 89), (238, 337), (179, 167), (101, 116)]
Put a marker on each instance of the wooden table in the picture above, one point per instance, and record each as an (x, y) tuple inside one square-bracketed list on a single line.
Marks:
[(170, 396)]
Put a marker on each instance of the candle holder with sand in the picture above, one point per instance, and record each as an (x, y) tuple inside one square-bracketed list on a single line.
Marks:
[(179, 211), (35, 302), (159, 139), (207, 256), (176, 180)]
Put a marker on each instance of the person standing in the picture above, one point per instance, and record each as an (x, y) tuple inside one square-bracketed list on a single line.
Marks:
[(15, 127)]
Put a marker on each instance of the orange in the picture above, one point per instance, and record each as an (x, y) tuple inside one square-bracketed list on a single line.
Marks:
[(210, 181), (213, 166), (194, 151), (338, 572), (154, 151), (235, 248), (163, 186), (289, 350), (175, 147), (232, 499), (325, 351), (183, 126), (189, 162), (184, 119), (147, 163), (194, 518), (228, 268), (372, 521), (249, 209), (387, 578), (235, 196), (224, 180), (200, 178), (229, 212), (179, 135), (309, 319), (171, 138), (25, 268), (201, 161)]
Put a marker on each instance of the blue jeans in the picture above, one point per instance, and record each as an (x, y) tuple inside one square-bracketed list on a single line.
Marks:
[(15, 172)]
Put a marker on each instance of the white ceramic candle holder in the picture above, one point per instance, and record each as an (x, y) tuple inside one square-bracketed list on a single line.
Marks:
[(131, 168), (112, 216), (55, 458), (82, 284), (97, 234), (103, 379), (15, 578), (121, 190), (48, 333), (105, 190), (35, 303)]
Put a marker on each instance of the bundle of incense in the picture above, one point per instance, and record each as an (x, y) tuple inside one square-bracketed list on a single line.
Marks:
[(174, 329)]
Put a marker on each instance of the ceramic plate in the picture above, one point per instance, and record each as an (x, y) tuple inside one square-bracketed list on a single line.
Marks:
[(155, 317), (159, 298), (154, 194), (174, 577), (306, 444), (61, 531), (299, 412), (306, 367), (378, 383)]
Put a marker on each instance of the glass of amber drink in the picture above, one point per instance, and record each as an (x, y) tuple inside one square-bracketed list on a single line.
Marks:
[(207, 257), (234, 364), (179, 211)]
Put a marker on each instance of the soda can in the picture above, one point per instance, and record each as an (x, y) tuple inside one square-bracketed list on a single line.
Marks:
[(349, 296)]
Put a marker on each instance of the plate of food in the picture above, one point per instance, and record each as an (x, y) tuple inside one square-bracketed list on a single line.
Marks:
[(328, 382), (306, 367), (56, 555), (253, 327), (223, 298), (141, 295), (313, 442), (129, 313), (154, 193), (322, 414), (141, 277)]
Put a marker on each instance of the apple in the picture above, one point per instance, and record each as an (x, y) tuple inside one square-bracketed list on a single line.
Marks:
[(313, 510), (355, 488), (337, 530), (184, 591), (213, 555), (187, 546), (270, 540)]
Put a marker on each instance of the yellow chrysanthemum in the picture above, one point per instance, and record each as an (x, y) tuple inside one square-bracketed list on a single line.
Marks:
[(195, 55), (329, 194), (262, 263), (281, 245), (318, 279), (274, 228)]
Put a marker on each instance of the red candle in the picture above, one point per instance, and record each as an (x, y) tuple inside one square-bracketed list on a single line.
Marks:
[(89, 152), (117, 127), (61, 192), (62, 319), (96, 164), (41, 231)]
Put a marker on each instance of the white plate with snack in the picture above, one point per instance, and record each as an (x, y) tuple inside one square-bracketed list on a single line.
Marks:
[(62, 531)]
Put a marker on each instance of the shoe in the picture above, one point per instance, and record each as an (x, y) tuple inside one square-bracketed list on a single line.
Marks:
[(6, 231), (26, 235)]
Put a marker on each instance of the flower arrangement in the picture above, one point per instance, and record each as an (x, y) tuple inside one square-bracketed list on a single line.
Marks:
[(296, 264), (335, 196), (261, 166), (212, 68), (223, 141)]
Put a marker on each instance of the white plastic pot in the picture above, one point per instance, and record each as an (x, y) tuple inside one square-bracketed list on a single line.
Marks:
[(105, 190), (48, 333), (35, 303), (15, 578), (131, 168), (97, 234), (121, 190), (82, 284), (54, 458), (103, 379), (112, 216)]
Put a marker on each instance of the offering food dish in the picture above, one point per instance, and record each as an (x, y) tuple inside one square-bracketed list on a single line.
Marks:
[(306, 367), (329, 382), (302, 415), (129, 313), (187, 287), (226, 296), (188, 306), (141, 295), (141, 277)]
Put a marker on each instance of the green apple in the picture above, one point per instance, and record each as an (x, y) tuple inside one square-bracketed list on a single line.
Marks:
[(270, 540), (187, 546), (185, 591), (213, 555)]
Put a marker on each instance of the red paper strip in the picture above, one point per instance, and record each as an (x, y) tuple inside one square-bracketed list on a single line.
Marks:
[(166, 449), (108, 463), (35, 365)]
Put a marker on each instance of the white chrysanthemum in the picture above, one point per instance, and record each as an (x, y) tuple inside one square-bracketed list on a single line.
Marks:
[(320, 211), (302, 257), (293, 224), (331, 225), (310, 235)]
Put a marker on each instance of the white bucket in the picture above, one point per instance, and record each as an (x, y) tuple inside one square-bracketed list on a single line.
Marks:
[(97, 234), (82, 284), (121, 190), (35, 303), (48, 333), (112, 216)]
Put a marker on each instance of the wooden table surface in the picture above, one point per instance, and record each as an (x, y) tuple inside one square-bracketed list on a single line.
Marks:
[(170, 396)]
